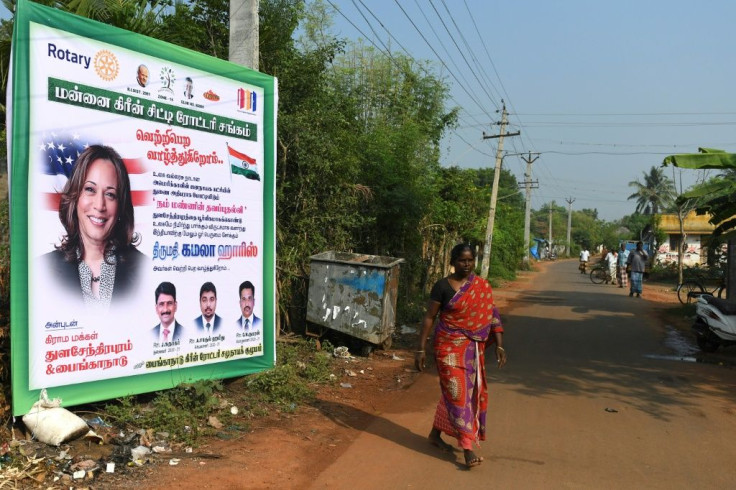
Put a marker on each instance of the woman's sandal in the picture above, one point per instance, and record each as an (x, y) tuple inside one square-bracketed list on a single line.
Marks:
[(471, 459), (439, 443)]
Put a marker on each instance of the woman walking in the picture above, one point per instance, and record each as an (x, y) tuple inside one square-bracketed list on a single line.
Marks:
[(468, 321)]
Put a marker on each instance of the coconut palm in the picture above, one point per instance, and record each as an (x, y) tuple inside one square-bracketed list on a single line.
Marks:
[(655, 193)]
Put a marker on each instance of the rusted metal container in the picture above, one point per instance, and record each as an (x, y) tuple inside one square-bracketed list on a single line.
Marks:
[(354, 294)]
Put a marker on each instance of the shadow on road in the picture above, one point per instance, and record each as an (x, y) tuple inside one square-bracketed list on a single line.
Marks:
[(566, 336), (360, 420)]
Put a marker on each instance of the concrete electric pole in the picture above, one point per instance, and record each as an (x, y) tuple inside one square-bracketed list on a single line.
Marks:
[(485, 265), (244, 33), (569, 223), (528, 184), (550, 227)]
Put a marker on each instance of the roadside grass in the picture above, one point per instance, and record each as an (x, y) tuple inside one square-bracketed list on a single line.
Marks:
[(180, 412), (301, 366), (185, 412)]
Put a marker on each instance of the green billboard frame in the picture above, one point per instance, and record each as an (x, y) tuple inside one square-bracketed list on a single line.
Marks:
[(19, 157)]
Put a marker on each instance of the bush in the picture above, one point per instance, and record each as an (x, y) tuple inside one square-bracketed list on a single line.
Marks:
[(183, 411), (180, 411), (300, 364)]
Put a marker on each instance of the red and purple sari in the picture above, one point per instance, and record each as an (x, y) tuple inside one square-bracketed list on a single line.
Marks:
[(466, 324)]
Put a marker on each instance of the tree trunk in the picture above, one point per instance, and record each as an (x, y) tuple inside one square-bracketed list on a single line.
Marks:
[(681, 247)]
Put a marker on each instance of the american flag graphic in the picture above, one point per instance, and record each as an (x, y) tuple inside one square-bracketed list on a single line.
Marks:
[(59, 155)]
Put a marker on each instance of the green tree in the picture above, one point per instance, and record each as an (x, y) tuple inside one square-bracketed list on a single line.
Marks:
[(401, 117), (717, 197), (654, 193), (635, 223), (459, 213), (140, 16), (540, 223), (200, 25)]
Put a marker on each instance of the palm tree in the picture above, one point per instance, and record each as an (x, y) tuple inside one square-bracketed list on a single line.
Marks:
[(655, 193)]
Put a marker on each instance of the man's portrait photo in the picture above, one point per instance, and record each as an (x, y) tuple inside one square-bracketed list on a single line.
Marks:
[(169, 330), (188, 88), (247, 320), (142, 75), (208, 322)]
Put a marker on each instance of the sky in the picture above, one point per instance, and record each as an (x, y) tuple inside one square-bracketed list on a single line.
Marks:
[(603, 91)]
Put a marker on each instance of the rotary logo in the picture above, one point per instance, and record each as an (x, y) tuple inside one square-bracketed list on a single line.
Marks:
[(106, 65), (168, 78), (210, 95)]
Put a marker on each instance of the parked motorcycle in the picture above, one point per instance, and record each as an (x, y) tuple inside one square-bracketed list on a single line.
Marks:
[(715, 323)]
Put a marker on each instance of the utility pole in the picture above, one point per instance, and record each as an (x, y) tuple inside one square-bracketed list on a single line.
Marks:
[(528, 184), (485, 265), (244, 33), (550, 227), (569, 222)]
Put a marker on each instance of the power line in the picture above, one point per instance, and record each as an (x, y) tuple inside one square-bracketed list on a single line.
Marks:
[(612, 153), (627, 114), (462, 54), (469, 94), (624, 124), (387, 52)]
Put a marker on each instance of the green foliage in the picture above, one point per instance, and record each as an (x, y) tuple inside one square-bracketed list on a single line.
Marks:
[(314, 364), (635, 224), (655, 194), (540, 223), (141, 16), (664, 273), (286, 386), (181, 411), (717, 197), (508, 240), (201, 25), (281, 386)]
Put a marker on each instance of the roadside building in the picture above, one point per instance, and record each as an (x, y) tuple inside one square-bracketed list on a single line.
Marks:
[(697, 231)]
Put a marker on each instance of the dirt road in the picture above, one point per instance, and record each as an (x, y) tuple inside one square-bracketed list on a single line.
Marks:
[(575, 350), (590, 399)]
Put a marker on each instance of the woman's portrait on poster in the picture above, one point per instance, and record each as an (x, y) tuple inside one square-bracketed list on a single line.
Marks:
[(97, 255)]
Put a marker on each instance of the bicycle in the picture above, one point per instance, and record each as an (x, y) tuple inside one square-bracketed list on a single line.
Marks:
[(600, 273), (689, 290)]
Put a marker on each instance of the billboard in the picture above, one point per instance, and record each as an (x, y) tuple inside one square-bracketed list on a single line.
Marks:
[(142, 187)]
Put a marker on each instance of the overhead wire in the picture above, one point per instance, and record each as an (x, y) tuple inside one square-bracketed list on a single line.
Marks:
[(465, 89), (486, 86), (449, 56), (531, 146), (386, 51), (377, 19), (391, 36), (480, 67), (462, 54)]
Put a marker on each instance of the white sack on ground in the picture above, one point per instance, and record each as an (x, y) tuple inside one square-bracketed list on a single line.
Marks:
[(51, 424)]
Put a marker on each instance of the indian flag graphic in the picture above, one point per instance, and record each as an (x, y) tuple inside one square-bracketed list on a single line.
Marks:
[(242, 164)]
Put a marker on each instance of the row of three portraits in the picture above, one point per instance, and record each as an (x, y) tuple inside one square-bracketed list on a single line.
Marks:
[(207, 324)]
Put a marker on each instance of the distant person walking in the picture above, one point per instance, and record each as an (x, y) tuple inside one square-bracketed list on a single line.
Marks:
[(638, 262), (623, 256), (584, 257), (611, 264)]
